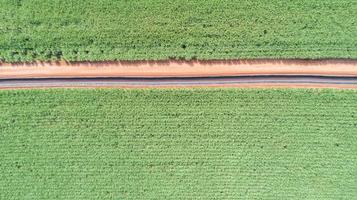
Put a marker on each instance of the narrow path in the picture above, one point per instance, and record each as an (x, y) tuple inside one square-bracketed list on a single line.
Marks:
[(173, 73), (230, 81)]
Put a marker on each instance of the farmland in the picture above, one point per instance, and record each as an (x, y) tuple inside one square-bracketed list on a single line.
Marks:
[(178, 144), (43, 30)]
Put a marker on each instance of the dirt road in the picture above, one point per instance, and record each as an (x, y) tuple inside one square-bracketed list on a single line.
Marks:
[(236, 81), (230, 73)]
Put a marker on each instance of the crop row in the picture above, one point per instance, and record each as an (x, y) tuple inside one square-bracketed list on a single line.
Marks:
[(178, 144), (162, 29)]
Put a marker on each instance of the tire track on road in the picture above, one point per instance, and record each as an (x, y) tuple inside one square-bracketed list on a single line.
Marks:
[(217, 81)]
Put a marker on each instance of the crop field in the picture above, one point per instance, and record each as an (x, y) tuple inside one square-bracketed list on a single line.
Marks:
[(178, 144), (87, 30)]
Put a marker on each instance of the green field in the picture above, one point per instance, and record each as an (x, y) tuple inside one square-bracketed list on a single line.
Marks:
[(178, 144), (182, 29)]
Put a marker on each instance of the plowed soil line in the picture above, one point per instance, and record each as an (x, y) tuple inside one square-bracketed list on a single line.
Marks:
[(32, 75)]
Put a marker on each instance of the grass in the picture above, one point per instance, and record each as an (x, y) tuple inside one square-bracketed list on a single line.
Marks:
[(90, 30), (178, 144)]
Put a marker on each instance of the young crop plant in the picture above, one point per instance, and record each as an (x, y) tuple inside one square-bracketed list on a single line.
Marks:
[(100, 30), (178, 144)]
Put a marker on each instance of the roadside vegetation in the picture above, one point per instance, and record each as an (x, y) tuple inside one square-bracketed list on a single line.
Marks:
[(39, 30), (178, 144)]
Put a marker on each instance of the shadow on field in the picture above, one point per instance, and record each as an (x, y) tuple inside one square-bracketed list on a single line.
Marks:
[(191, 62)]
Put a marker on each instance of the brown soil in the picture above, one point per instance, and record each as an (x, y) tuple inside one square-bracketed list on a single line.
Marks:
[(174, 68), (179, 68)]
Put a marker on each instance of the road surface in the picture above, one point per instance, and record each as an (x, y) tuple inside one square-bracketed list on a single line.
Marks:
[(226, 81)]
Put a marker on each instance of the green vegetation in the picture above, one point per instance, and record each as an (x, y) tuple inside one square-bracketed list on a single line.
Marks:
[(186, 29), (178, 144)]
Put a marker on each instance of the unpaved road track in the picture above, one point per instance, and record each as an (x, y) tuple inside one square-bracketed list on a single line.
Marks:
[(235, 81), (141, 74)]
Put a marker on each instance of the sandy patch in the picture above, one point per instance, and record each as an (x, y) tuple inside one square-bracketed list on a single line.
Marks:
[(179, 68)]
